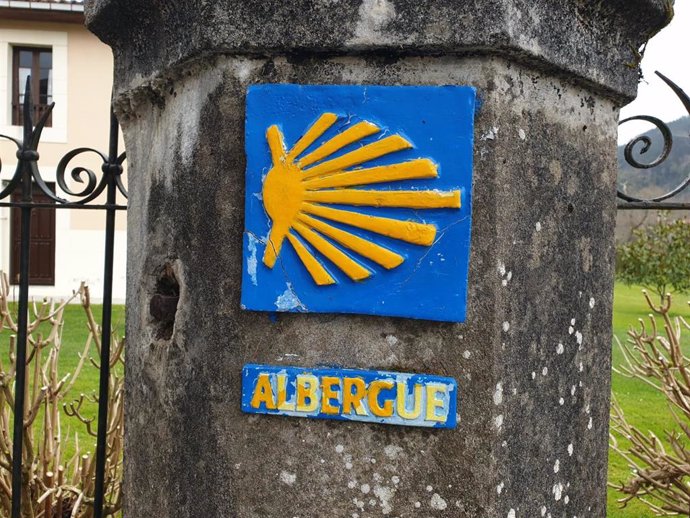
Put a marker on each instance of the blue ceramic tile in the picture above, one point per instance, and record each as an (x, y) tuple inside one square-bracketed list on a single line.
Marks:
[(358, 199)]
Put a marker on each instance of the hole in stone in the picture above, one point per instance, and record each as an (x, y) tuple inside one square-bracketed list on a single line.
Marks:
[(571, 207), (163, 305)]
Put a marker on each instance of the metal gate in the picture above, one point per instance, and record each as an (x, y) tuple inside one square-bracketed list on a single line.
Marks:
[(26, 192), (641, 145)]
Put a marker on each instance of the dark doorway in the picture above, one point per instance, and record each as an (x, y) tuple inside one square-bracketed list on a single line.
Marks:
[(42, 244)]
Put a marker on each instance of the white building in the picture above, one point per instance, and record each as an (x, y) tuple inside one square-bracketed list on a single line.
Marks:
[(68, 65)]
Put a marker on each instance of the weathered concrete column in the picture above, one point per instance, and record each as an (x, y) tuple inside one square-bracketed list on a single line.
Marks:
[(531, 361)]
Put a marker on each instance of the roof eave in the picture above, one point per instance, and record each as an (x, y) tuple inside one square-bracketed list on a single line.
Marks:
[(48, 14)]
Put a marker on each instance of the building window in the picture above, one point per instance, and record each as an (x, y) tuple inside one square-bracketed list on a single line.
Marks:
[(36, 62), (12, 59)]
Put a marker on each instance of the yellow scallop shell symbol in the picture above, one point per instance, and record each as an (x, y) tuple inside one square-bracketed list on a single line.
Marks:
[(298, 190)]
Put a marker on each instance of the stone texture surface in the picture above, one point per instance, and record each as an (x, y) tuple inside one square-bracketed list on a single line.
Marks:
[(590, 41), (532, 361)]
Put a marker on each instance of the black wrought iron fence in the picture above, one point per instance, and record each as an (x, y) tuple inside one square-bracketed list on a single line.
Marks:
[(21, 193), (642, 144)]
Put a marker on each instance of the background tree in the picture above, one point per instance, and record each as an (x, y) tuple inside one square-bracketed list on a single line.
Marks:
[(658, 257)]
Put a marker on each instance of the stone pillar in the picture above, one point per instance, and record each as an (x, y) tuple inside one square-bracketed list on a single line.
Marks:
[(532, 361)]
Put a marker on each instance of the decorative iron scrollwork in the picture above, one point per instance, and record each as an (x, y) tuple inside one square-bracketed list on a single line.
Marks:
[(27, 175), (641, 145), (93, 187)]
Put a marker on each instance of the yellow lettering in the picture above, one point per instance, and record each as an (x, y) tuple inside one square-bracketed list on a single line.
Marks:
[(402, 401), (353, 400), (328, 384), (263, 393), (306, 390), (282, 394), (433, 402), (375, 387)]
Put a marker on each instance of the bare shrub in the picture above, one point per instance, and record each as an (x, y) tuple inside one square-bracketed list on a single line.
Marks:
[(660, 468), (54, 486)]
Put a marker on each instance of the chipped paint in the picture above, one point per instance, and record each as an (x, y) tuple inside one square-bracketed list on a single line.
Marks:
[(287, 300), (351, 395), (252, 262)]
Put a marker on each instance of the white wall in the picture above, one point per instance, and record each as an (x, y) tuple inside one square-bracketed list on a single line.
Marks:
[(79, 253)]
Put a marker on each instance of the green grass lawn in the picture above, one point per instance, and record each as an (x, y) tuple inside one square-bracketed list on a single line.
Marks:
[(643, 406), (74, 335)]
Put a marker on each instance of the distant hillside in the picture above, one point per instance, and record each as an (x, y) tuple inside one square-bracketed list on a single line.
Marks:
[(664, 177)]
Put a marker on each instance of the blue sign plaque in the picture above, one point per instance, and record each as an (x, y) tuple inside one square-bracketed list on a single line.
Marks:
[(350, 395), (358, 199)]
